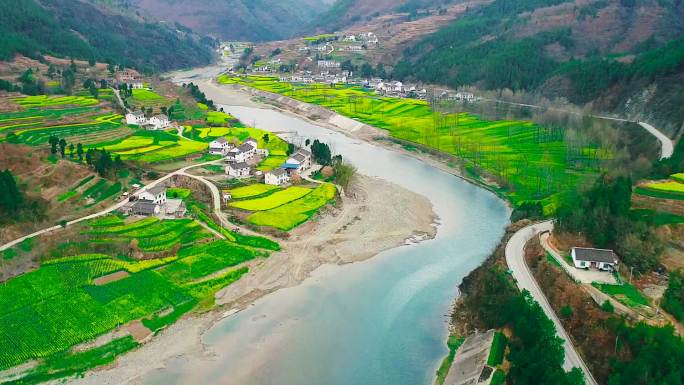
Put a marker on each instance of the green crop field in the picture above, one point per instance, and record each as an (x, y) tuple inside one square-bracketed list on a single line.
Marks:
[(147, 98), (62, 303), (152, 146), (271, 162), (252, 191), (670, 187), (49, 101), (290, 215), (532, 162), (218, 118), (274, 200)]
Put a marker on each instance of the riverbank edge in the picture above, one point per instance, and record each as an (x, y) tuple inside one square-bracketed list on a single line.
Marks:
[(317, 115)]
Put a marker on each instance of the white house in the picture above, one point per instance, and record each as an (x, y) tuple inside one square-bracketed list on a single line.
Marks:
[(588, 258), (238, 169), (220, 146), (276, 177), (262, 152), (137, 118), (137, 85), (465, 96), (155, 194), (329, 64), (251, 141), (301, 158), (350, 38), (160, 121), (242, 153)]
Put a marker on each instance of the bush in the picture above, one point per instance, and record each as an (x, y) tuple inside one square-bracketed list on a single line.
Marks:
[(607, 306), (673, 299)]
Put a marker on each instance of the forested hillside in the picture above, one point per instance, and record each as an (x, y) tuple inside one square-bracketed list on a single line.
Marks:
[(253, 20), (605, 51), (69, 28)]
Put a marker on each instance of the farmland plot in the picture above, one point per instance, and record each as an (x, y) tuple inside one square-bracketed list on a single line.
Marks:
[(292, 214), (531, 162)]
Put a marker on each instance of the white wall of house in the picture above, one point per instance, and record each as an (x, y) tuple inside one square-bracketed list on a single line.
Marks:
[(276, 180), (148, 196)]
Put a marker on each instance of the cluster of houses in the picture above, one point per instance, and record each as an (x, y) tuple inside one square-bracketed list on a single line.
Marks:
[(130, 77), (296, 163), (239, 160), (153, 202), (157, 122)]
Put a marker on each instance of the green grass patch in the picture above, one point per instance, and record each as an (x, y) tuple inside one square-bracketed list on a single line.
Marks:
[(626, 294), (66, 195), (496, 354), (176, 192), (657, 218), (498, 378), (551, 259), (670, 187), (453, 343)]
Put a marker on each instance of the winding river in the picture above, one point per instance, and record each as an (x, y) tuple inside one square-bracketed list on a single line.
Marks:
[(382, 321)]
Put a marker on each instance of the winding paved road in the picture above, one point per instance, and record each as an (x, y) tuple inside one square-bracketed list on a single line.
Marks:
[(116, 206), (515, 258)]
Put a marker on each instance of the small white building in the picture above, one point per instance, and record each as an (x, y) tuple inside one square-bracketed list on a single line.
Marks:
[(465, 96), (242, 153), (136, 117), (155, 194), (238, 169), (329, 64), (220, 146), (588, 258), (301, 158), (137, 85), (160, 121), (263, 152), (277, 177), (251, 141)]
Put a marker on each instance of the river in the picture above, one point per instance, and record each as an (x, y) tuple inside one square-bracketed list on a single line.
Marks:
[(382, 321)]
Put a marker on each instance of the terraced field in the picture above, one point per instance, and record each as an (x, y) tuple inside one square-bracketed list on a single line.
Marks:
[(282, 209), (273, 200), (73, 299), (152, 147), (530, 162), (292, 214), (665, 189), (49, 101), (147, 98), (252, 190), (78, 119)]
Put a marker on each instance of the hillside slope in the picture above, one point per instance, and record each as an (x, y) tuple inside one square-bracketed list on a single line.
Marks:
[(345, 13), (251, 20), (78, 29), (613, 53)]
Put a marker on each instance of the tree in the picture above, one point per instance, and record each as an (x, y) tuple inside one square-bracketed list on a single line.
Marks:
[(94, 92), (307, 142), (52, 70), (266, 138), (321, 153), (62, 147), (54, 141), (71, 150), (11, 198), (673, 299), (366, 70), (79, 151)]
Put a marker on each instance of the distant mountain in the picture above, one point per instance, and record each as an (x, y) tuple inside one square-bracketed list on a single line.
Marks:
[(621, 55), (345, 13), (85, 30), (250, 20)]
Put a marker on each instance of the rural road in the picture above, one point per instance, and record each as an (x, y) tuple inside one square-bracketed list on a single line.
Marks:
[(666, 144), (114, 207), (515, 258)]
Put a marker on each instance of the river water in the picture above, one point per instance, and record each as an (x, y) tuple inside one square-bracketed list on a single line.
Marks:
[(382, 321)]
